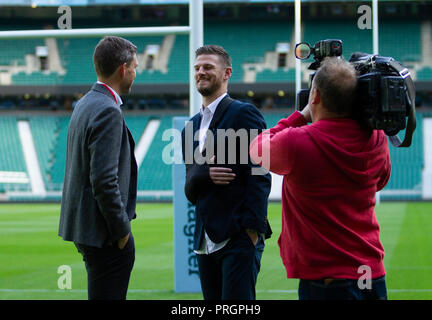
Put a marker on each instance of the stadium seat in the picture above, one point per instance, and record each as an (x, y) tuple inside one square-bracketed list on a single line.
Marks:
[(424, 74), (11, 152), (153, 173), (44, 131)]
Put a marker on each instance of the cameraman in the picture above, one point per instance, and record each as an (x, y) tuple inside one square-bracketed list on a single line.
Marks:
[(332, 170)]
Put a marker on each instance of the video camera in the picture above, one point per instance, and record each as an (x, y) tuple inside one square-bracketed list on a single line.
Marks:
[(385, 94)]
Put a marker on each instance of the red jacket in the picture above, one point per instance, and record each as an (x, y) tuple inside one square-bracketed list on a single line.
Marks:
[(332, 170)]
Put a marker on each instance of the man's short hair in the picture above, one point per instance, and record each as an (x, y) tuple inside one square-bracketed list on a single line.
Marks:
[(216, 50), (110, 53), (336, 80)]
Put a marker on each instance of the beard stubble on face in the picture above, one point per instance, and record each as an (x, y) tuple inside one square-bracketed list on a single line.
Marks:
[(209, 90), (126, 86)]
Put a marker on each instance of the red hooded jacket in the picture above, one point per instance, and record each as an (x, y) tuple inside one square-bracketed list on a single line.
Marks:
[(332, 170)]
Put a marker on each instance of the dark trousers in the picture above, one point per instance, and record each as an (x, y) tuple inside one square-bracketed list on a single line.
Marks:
[(231, 272), (108, 270), (342, 289)]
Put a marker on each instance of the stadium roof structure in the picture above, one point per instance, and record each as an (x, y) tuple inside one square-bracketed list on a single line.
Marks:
[(56, 3)]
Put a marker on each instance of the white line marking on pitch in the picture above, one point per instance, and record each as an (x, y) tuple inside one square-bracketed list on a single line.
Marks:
[(79, 290), (172, 291)]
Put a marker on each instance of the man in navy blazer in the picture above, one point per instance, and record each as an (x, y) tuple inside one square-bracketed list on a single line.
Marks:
[(230, 197), (100, 184)]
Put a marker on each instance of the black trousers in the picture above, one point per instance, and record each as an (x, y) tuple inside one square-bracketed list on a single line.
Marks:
[(231, 272), (108, 270)]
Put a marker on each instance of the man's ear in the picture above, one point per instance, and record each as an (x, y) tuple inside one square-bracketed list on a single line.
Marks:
[(122, 70), (228, 73), (316, 96)]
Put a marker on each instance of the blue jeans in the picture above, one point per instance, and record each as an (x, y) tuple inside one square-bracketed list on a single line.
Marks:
[(341, 289)]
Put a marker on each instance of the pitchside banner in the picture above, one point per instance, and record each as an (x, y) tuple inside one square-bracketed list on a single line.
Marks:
[(186, 277)]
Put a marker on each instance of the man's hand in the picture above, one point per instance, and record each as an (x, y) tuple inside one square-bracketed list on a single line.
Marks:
[(306, 113), (220, 175), (253, 235), (122, 242)]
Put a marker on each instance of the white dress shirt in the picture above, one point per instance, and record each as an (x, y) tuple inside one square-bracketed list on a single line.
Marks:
[(207, 113)]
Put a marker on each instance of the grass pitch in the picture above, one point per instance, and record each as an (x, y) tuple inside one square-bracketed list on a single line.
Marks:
[(31, 252)]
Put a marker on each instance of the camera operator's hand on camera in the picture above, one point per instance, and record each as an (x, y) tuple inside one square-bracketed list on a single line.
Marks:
[(306, 113), (220, 175)]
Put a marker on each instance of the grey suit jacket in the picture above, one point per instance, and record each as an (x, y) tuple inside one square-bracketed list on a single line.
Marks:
[(100, 184)]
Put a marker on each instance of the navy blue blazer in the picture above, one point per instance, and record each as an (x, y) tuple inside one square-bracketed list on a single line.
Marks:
[(100, 184), (225, 210)]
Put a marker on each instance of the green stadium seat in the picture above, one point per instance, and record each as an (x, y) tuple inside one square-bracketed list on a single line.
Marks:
[(401, 41), (352, 37), (280, 75), (424, 74), (56, 170), (154, 174), (407, 165), (11, 152), (44, 131), (40, 78), (244, 41), (50, 137), (247, 42), (13, 52), (136, 125)]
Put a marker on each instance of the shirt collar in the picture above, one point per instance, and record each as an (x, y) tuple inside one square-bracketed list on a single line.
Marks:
[(212, 106), (117, 97)]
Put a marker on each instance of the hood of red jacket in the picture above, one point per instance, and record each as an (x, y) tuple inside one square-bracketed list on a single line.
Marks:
[(358, 152)]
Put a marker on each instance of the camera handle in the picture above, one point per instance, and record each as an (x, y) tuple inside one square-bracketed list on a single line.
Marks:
[(411, 124)]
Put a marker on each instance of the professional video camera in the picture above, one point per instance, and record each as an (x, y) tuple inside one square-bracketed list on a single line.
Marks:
[(385, 90)]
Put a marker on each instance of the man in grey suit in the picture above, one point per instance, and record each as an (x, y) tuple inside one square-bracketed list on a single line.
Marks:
[(100, 184)]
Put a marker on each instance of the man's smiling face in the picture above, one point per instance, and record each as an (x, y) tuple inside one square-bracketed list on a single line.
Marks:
[(209, 74)]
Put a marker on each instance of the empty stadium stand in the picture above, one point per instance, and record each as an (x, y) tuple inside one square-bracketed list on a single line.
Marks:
[(352, 37), (424, 73), (153, 173), (56, 170), (154, 176), (400, 40), (407, 165), (247, 43), (41, 78), (11, 155), (252, 47), (136, 125), (13, 52), (276, 76), (44, 130)]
